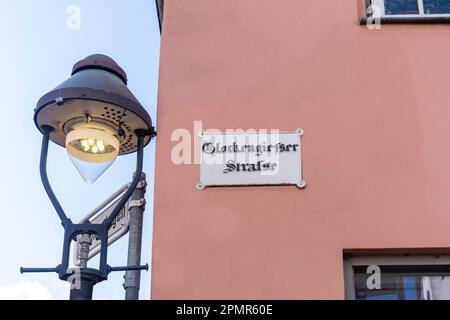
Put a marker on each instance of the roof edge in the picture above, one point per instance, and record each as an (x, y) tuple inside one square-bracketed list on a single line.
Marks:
[(160, 11)]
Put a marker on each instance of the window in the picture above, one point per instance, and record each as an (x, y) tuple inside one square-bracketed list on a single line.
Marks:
[(419, 277), (413, 8)]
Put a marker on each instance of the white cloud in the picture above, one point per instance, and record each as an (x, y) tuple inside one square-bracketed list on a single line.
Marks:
[(25, 290)]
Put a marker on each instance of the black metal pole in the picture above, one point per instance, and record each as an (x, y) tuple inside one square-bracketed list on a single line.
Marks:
[(46, 130), (137, 177), (82, 287)]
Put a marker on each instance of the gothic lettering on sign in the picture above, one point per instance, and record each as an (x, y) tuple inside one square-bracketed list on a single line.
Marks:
[(251, 159)]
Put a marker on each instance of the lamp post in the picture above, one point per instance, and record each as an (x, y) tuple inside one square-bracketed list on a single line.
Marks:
[(96, 118)]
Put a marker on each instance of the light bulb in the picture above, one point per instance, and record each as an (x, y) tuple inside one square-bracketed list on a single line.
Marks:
[(92, 149), (100, 145)]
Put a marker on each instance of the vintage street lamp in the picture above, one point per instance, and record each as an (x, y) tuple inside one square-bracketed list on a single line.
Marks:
[(96, 118)]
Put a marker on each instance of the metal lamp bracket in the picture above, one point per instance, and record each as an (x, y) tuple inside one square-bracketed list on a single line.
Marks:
[(71, 230)]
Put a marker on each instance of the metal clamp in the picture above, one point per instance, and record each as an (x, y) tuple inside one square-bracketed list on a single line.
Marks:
[(136, 203), (142, 184)]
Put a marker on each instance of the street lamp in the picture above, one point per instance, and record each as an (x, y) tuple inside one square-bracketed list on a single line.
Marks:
[(96, 118)]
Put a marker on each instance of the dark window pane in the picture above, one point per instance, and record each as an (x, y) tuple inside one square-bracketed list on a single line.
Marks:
[(411, 289), (405, 283), (436, 6), (401, 7)]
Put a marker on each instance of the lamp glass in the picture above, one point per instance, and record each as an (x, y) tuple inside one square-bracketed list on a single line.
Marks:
[(92, 149)]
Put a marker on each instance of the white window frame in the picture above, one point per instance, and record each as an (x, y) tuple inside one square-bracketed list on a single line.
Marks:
[(386, 260), (380, 4)]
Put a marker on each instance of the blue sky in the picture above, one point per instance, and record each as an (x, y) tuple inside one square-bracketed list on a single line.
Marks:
[(38, 51)]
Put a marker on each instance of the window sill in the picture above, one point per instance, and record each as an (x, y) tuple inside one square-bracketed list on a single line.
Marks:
[(408, 20)]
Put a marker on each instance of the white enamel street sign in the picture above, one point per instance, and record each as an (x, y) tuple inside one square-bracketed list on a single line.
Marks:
[(258, 158)]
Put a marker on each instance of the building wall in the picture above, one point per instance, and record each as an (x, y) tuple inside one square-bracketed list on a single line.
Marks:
[(375, 107)]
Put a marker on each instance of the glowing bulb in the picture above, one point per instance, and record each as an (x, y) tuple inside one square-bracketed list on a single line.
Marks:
[(100, 145), (92, 150)]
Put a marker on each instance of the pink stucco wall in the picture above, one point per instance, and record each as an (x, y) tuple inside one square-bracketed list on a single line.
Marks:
[(375, 106)]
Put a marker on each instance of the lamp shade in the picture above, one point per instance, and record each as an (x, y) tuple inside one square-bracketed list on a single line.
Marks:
[(98, 90), (93, 115)]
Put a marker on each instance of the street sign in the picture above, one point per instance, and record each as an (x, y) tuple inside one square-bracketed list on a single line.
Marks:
[(119, 228), (252, 158)]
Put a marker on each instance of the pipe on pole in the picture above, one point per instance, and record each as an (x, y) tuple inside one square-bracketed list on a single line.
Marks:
[(133, 277)]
